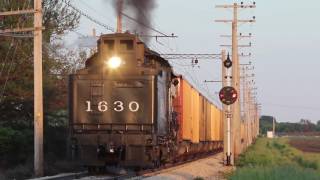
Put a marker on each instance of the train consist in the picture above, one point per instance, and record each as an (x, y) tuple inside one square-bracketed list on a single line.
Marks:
[(128, 107)]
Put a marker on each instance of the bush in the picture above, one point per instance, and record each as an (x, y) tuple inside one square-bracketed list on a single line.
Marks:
[(278, 145), (305, 163), (20, 172), (16, 147)]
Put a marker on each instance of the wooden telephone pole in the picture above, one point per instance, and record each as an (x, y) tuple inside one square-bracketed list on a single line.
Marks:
[(236, 115), (38, 91)]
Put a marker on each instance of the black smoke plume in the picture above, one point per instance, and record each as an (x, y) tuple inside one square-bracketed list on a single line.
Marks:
[(140, 10)]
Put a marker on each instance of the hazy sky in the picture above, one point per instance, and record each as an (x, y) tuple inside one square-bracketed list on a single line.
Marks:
[(285, 47)]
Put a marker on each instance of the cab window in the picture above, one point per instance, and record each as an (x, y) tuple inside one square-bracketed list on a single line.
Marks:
[(126, 44), (110, 44)]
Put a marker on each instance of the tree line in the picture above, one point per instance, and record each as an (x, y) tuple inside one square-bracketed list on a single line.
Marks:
[(303, 126), (16, 87)]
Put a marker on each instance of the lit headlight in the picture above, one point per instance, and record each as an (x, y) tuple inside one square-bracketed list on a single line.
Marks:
[(114, 62)]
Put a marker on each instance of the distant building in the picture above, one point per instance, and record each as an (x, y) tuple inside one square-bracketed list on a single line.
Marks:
[(270, 134)]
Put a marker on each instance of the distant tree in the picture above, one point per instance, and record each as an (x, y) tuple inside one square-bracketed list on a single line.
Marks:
[(318, 126), (16, 81), (266, 124), (16, 65), (303, 126)]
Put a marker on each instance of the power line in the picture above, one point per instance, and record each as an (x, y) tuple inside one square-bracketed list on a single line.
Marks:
[(204, 87), (16, 35), (107, 26), (135, 20), (183, 65), (8, 74), (200, 87), (292, 106), (24, 9), (89, 17), (195, 80), (191, 56), (144, 15), (78, 33), (95, 10), (7, 55)]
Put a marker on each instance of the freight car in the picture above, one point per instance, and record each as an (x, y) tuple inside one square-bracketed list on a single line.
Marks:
[(127, 107)]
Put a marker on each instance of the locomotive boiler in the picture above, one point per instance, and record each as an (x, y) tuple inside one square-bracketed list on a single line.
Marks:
[(127, 107)]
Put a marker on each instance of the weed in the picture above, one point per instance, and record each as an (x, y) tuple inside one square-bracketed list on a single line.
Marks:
[(275, 159), (305, 163), (275, 173)]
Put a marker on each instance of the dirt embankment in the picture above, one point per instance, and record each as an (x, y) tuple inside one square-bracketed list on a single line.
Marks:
[(306, 144)]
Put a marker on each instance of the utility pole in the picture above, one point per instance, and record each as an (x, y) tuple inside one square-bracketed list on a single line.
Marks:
[(38, 91), (253, 115), (246, 104), (236, 73), (249, 102), (245, 107), (273, 126)]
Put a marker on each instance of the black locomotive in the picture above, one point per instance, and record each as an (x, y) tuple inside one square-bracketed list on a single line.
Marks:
[(121, 109)]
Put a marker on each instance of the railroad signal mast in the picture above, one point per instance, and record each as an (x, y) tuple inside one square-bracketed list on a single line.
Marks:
[(38, 89), (228, 95), (235, 139)]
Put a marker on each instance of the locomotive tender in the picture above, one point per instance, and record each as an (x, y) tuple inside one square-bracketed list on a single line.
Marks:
[(127, 107)]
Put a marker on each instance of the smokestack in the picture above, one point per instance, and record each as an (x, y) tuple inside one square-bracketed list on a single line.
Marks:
[(119, 15), (140, 10)]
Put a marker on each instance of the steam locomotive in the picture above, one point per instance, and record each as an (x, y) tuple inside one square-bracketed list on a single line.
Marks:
[(128, 107)]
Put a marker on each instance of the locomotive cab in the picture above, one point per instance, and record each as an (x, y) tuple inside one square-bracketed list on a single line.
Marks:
[(123, 54)]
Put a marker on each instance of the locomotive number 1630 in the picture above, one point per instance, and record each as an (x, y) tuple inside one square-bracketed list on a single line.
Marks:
[(118, 106)]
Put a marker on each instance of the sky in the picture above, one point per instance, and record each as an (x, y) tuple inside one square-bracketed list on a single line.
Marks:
[(284, 53)]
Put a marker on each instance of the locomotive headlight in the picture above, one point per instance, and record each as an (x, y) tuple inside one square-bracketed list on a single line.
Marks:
[(114, 62)]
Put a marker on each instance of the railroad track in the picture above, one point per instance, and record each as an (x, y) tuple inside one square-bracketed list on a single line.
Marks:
[(128, 175)]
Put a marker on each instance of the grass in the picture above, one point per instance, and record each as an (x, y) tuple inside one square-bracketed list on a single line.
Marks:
[(275, 159), (275, 173)]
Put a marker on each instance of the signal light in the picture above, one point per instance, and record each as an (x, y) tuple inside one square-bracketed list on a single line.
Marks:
[(234, 95), (228, 95)]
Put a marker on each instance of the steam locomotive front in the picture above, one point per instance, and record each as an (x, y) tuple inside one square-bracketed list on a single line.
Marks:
[(113, 99)]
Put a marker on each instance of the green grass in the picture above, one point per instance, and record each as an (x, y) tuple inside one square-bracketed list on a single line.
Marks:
[(275, 159), (275, 173)]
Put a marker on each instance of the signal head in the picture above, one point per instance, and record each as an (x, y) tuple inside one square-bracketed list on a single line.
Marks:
[(228, 95), (227, 63)]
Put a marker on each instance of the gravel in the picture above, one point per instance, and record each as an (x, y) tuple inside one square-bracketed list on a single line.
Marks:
[(211, 168)]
